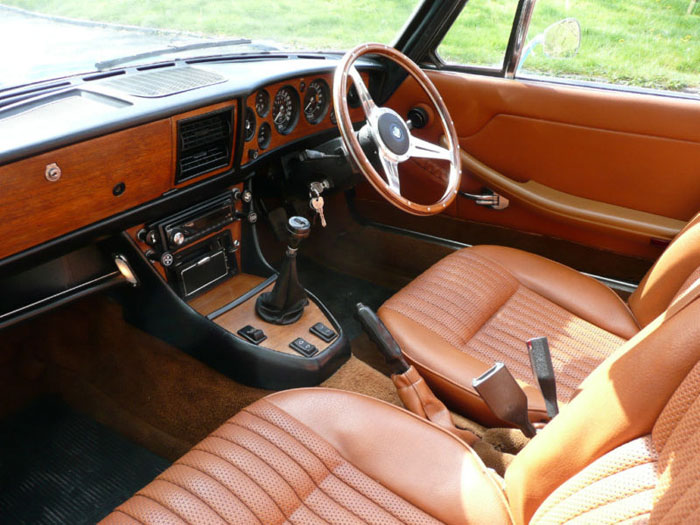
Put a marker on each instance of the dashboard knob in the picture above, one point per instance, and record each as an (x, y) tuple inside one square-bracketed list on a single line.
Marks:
[(246, 196), (151, 238), (167, 259), (177, 238)]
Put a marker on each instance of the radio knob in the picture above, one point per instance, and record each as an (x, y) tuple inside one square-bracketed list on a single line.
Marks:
[(177, 238), (245, 196), (151, 238)]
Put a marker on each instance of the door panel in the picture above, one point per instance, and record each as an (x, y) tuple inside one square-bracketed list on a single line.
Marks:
[(637, 152)]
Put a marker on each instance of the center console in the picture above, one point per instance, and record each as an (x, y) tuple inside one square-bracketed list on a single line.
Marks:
[(205, 268)]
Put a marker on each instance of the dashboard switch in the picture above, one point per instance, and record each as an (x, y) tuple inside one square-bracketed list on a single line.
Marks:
[(323, 332), (303, 347), (252, 334)]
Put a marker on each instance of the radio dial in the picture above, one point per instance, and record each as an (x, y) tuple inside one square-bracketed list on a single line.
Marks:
[(177, 238)]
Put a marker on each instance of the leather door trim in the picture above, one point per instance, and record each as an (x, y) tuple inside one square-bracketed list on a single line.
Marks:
[(572, 208)]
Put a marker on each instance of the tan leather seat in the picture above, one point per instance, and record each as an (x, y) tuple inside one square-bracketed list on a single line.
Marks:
[(480, 305), (626, 449)]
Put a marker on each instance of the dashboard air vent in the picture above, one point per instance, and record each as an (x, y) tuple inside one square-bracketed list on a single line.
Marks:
[(204, 143)]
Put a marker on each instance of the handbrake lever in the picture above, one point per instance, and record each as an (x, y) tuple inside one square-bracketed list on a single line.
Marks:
[(380, 336)]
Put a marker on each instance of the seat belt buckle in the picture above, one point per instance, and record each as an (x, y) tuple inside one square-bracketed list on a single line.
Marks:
[(541, 362), (504, 397)]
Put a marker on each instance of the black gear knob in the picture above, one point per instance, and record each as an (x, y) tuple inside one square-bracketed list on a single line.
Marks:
[(299, 229)]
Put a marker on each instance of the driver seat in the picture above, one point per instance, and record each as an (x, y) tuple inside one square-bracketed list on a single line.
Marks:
[(481, 304)]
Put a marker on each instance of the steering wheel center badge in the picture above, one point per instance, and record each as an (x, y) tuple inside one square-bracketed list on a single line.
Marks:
[(396, 131)]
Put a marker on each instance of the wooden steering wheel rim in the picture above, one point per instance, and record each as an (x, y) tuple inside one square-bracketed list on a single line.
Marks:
[(352, 144)]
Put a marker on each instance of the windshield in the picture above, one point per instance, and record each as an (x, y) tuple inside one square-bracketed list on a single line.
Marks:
[(45, 39)]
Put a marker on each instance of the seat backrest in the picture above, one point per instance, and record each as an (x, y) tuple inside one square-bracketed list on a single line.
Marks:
[(618, 447), (664, 280)]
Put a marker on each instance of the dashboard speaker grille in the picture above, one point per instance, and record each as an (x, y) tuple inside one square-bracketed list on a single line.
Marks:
[(204, 144), (164, 82)]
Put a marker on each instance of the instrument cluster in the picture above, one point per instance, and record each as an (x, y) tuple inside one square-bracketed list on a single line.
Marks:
[(279, 113)]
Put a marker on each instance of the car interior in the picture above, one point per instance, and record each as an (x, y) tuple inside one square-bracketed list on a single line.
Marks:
[(358, 287)]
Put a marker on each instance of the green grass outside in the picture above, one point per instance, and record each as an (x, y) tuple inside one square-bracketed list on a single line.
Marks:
[(648, 43)]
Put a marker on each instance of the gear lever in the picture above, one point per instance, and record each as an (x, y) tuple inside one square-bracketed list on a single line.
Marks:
[(286, 302)]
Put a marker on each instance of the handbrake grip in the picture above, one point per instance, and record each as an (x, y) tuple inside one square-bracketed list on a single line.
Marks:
[(380, 336), (505, 397)]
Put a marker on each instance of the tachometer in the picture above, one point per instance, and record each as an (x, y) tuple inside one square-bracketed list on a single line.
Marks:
[(264, 135), (285, 109), (249, 125), (316, 101), (262, 103)]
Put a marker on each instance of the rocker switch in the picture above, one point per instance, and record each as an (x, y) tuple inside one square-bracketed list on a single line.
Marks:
[(252, 334), (303, 347)]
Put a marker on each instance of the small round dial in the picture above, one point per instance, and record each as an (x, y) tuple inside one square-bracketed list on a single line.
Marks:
[(285, 109), (353, 97), (262, 103), (316, 101), (249, 125), (264, 135)]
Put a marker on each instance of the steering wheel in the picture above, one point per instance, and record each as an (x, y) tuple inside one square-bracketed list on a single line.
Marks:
[(391, 133)]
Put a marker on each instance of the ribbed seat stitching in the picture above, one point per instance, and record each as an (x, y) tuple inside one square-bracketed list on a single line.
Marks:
[(233, 494), (235, 467), (301, 502), (196, 496), (331, 471)]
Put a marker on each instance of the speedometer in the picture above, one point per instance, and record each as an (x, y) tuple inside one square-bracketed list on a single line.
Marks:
[(316, 101), (285, 110)]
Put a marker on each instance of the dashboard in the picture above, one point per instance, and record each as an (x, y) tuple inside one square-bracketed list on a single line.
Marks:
[(82, 157)]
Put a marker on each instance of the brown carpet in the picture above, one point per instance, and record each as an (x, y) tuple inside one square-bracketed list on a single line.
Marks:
[(152, 393)]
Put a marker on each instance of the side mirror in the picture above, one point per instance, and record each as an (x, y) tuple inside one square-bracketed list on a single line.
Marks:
[(562, 39)]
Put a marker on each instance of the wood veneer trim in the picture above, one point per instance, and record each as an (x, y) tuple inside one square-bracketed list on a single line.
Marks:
[(36, 210), (303, 128), (278, 336)]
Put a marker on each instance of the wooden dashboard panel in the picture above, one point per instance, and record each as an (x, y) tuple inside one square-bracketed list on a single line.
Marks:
[(35, 210), (303, 128)]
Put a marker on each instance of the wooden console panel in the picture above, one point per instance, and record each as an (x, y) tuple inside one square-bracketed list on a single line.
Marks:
[(278, 337)]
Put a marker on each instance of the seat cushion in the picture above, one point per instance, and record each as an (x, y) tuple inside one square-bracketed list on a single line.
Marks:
[(322, 456), (480, 305)]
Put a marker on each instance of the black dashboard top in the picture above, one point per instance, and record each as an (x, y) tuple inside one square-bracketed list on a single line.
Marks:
[(55, 115)]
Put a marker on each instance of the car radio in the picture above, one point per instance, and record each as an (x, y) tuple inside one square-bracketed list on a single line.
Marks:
[(190, 225), (194, 223)]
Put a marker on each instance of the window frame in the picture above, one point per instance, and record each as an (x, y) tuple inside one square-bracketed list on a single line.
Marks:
[(431, 59)]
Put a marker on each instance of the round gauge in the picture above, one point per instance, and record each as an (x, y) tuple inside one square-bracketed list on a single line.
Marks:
[(316, 101), (262, 103), (285, 109), (353, 97), (264, 135), (249, 125)]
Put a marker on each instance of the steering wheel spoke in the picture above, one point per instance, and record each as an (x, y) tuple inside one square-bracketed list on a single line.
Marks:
[(387, 133), (368, 105), (391, 169), (428, 150)]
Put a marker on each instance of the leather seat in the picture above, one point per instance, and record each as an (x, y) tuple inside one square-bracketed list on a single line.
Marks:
[(626, 449), (481, 304)]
